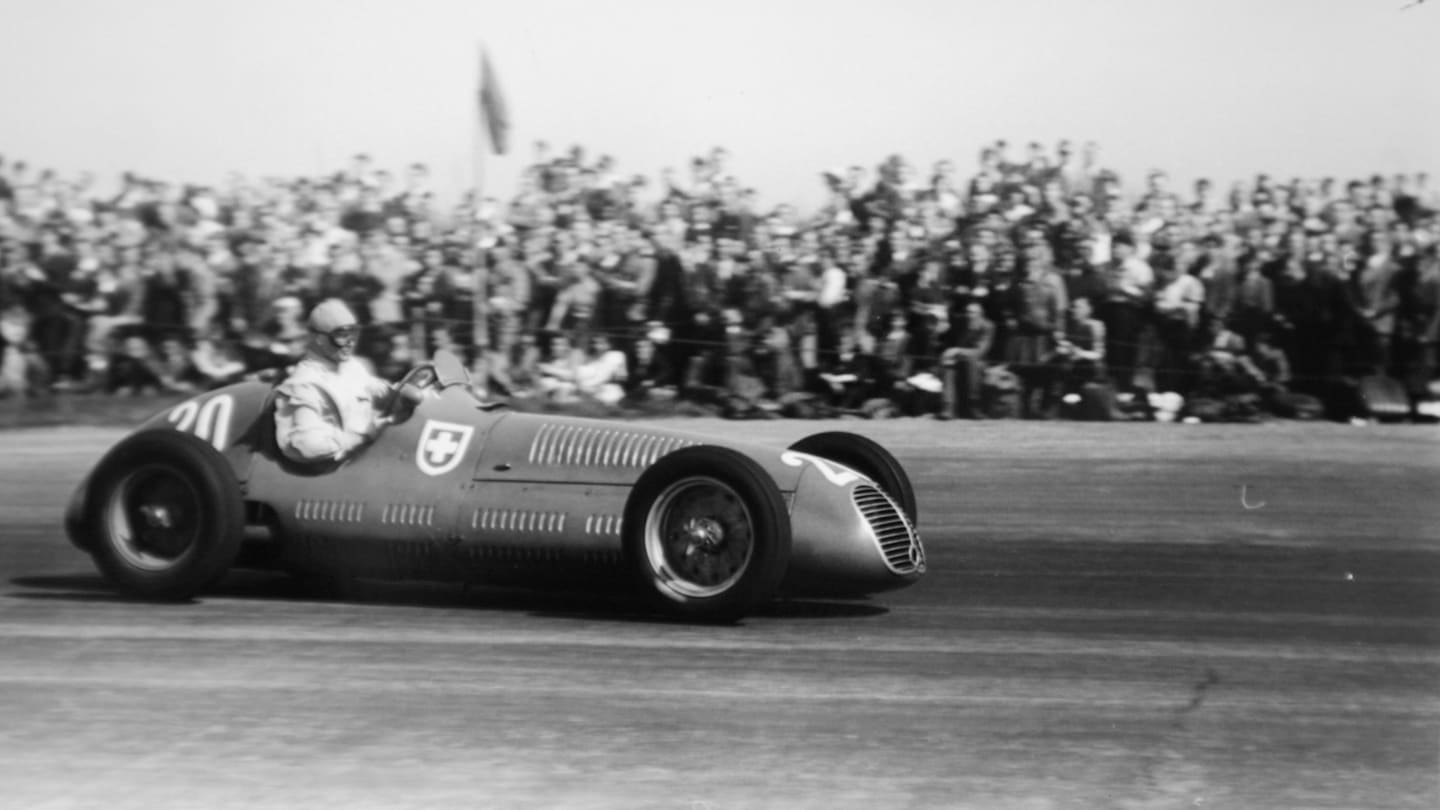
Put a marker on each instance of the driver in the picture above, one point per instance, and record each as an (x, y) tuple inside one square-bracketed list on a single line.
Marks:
[(330, 405)]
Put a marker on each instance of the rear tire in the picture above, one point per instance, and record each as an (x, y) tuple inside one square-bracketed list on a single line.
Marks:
[(867, 457), (163, 518), (707, 534)]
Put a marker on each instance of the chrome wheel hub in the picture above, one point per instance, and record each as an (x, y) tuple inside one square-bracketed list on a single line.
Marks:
[(699, 538), (153, 517), (157, 517), (704, 533)]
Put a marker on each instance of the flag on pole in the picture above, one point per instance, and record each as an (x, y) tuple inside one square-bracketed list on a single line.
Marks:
[(492, 106)]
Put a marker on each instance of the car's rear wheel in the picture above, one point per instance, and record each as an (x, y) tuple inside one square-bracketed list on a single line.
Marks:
[(707, 533), (164, 517), (867, 457)]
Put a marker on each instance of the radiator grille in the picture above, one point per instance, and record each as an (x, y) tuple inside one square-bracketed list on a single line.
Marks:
[(899, 543)]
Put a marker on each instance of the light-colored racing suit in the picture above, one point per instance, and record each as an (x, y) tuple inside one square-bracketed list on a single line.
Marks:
[(324, 411)]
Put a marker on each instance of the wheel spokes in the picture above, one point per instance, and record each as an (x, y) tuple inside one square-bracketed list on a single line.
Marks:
[(155, 517), (704, 539)]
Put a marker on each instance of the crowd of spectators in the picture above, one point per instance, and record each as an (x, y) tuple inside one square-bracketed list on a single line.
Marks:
[(1033, 286)]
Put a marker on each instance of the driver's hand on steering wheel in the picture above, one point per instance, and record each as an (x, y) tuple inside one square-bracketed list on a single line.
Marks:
[(414, 394)]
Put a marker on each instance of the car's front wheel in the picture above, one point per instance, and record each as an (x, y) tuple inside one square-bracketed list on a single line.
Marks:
[(164, 518), (867, 457), (707, 533)]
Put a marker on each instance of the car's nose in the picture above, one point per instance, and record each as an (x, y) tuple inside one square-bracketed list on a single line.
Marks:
[(850, 539)]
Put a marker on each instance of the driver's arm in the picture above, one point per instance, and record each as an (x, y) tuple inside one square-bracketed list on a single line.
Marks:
[(390, 396), (379, 389), (385, 395)]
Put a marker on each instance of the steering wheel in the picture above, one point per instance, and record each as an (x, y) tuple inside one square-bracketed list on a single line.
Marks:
[(422, 377), (418, 380), (445, 370)]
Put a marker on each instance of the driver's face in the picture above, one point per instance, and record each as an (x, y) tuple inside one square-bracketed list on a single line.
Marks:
[(337, 345)]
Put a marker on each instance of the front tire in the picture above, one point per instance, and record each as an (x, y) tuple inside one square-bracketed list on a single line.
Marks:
[(867, 457), (164, 518), (707, 534)]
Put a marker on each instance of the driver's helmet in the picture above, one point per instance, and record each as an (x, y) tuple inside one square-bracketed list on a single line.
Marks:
[(331, 315)]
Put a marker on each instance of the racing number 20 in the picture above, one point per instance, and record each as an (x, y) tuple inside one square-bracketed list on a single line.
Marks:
[(834, 473), (209, 421)]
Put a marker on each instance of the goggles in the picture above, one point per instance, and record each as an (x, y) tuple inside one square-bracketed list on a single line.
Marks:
[(344, 334)]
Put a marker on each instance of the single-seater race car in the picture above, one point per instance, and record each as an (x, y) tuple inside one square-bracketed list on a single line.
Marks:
[(465, 490)]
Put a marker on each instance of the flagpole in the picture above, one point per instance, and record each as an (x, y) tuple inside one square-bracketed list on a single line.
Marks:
[(480, 326)]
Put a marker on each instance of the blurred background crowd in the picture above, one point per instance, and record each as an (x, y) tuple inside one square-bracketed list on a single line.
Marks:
[(1032, 284)]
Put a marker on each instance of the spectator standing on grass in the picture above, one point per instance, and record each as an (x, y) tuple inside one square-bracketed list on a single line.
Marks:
[(509, 292), (1129, 283), (55, 327), (1417, 317), (929, 310), (1215, 268), (1179, 297), (715, 283), (887, 362), (619, 283), (1313, 306), (670, 303), (1082, 278), (542, 261), (1037, 313), (1252, 308), (165, 295), (576, 302), (800, 288), (455, 299), (999, 297), (388, 265), (254, 283), (831, 308), (1376, 297)]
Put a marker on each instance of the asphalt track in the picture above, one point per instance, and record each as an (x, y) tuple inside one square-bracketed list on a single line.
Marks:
[(1116, 616)]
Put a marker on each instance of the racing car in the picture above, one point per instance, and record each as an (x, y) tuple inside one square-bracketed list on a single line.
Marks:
[(458, 488)]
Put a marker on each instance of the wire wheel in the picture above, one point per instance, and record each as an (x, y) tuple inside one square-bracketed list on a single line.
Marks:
[(699, 538), (707, 534), (153, 517), (163, 516)]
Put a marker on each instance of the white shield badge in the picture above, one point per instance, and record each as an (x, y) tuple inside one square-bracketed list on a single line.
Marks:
[(442, 445)]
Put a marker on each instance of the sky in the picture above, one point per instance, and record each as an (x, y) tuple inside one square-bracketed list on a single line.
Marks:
[(191, 90)]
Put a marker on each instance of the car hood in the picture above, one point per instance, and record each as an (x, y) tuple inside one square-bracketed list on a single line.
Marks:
[(521, 446)]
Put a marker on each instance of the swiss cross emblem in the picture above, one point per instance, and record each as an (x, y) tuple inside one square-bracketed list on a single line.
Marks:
[(442, 446)]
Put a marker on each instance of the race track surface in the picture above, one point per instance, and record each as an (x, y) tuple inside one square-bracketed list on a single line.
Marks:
[(1116, 616)]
